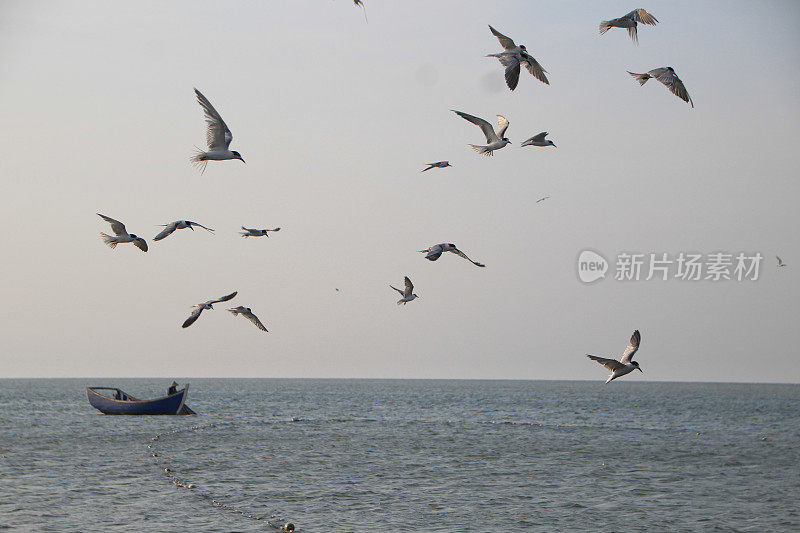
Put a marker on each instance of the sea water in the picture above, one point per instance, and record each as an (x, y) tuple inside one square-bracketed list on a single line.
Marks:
[(403, 455)]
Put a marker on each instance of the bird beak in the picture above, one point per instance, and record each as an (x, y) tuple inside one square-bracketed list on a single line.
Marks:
[(640, 370), (191, 228), (241, 159), (554, 146)]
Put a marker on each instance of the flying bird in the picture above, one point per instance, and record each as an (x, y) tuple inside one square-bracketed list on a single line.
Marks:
[(667, 76), (218, 137), (542, 199), (625, 365), (439, 164), (249, 232), (434, 252), (539, 140), (629, 21), (178, 224), (495, 140), (780, 261), (408, 294), (121, 235), (512, 57), (198, 308), (248, 314)]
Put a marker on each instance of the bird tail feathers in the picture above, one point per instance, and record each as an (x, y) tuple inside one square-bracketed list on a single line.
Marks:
[(641, 78), (605, 26), (109, 240), (198, 159), (483, 150)]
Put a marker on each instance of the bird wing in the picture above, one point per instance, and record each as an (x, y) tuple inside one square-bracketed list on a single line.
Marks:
[(236, 310), (223, 298), (193, 317), (502, 125), (462, 254), (512, 71), (254, 319), (779, 260), (409, 288), (218, 135), (398, 290), (202, 226), (116, 226), (539, 136), (433, 255), (627, 355), (487, 129), (534, 68), (140, 244), (430, 166), (169, 228), (611, 364), (633, 33), (672, 82), (640, 15), (505, 42)]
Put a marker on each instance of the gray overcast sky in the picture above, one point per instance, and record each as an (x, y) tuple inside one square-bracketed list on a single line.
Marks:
[(335, 119)]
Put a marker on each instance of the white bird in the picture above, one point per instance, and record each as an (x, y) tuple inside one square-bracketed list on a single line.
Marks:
[(439, 164), (629, 21), (434, 252), (408, 294), (542, 199), (625, 365), (218, 137), (539, 140), (495, 140), (198, 308), (667, 76), (178, 224), (249, 232), (121, 235), (512, 57), (780, 262), (248, 314)]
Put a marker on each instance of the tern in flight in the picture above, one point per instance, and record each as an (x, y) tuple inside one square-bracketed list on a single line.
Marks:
[(198, 308), (121, 235), (438, 164), (434, 252), (629, 21), (780, 261), (178, 224), (495, 140), (218, 137), (539, 140), (542, 199), (248, 314), (249, 232), (408, 294), (512, 57), (667, 76), (625, 365)]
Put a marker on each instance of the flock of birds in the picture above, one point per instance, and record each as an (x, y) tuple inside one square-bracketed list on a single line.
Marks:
[(513, 57)]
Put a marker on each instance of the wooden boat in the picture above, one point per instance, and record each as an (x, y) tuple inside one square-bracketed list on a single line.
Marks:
[(118, 402)]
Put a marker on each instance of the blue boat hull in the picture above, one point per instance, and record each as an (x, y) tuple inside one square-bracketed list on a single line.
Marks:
[(173, 404)]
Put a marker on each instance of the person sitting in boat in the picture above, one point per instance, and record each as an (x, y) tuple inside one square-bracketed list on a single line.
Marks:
[(172, 388), (118, 395)]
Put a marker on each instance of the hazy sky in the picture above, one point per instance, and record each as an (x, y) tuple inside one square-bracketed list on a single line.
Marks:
[(336, 118)]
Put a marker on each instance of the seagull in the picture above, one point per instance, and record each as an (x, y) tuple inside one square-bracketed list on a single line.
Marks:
[(629, 21), (512, 57), (248, 314), (624, 365), (495, 140), (249, 232), (218, 137), (780, 261), (178, 224), (408, 294), (434, 252), (439, 164), (542, 199), (667, 76), (121, 235), (198, 308), (539, 140)]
